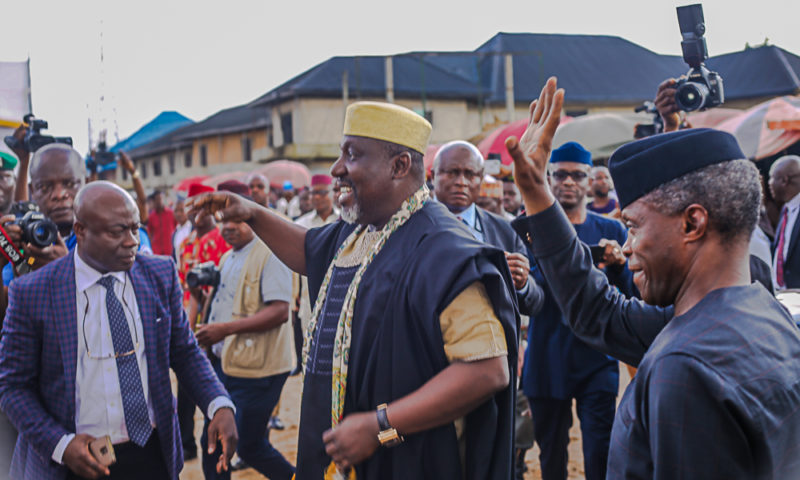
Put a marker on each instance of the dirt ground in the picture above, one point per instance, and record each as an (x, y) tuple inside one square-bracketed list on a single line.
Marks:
[(286, 440)]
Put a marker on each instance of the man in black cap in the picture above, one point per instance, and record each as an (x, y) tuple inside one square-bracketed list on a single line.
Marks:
[(718, 386)]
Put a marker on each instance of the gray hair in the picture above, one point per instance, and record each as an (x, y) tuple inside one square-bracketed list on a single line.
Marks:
[(729, 191), (476, 154)]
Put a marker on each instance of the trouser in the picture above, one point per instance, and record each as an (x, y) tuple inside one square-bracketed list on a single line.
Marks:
[(553, 419), (254, 398), (186, 408), (136, 463), (8, 440), (297, 326)]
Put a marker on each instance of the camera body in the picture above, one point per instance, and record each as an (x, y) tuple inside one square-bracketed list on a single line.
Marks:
[(34, 140), (700, 88), (102, 156), (204, 275), (36, 228)]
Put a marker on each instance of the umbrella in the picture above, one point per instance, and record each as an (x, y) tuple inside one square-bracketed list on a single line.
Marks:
[(223, 177), (712, 117), (279, 171), (186, 182), (430, 155), (752, 129), (600, 133), (495, 142)]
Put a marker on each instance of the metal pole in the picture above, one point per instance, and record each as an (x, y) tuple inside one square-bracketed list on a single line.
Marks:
[(510, 86), (389, 73)]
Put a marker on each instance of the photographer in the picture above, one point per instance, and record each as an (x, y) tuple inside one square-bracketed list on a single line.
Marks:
[(250, 341)]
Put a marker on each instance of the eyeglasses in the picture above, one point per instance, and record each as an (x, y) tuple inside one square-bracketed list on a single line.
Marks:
[(576, 175), (114, 355), (469, 175)]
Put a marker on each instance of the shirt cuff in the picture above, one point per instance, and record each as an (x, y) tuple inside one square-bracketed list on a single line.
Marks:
[(58, 452), (219, 402), (524, 290)]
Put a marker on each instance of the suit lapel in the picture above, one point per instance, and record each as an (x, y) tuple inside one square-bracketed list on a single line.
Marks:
[(147, 312), (793, 237), (489, 234), (64, 307)]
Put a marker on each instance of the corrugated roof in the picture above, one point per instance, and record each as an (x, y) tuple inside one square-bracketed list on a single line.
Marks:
[(592, 69), (164, 123), (236, 119)]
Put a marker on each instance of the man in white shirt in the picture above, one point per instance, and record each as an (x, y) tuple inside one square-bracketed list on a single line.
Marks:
[(87, 345), (784, 183)]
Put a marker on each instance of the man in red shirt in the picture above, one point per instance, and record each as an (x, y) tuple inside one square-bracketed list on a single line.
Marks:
[(160, 225)]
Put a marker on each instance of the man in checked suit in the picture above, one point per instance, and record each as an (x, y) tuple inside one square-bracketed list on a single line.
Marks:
[(87, 345), (457, 175)]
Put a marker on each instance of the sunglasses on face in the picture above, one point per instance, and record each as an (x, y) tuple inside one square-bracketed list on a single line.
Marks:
[(576, 175)]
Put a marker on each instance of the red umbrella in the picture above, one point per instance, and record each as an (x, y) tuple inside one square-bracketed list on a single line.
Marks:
[(752, 129), (184, 184), (430, 155), (279, 171), (712, 117), (495, 142)]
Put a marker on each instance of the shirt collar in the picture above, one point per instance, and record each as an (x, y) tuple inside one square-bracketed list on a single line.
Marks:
[(86, 276), (468, 215), (793, 203)]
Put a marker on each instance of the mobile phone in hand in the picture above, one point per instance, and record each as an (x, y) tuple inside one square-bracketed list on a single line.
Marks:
[(103, 451)]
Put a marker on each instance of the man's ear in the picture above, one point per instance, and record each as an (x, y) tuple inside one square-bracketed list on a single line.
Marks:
[(79, 229), (401, 165), (694, 222)]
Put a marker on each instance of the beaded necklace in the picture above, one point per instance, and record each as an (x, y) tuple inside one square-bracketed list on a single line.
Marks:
[(341, 346)]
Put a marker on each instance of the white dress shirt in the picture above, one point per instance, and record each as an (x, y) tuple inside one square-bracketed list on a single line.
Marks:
[(792, 209), (98, 400)]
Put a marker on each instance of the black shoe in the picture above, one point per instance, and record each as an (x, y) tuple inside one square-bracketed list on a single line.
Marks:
[(275, 423)]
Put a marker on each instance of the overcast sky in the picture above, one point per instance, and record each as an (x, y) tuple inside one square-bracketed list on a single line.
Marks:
[(199, 56)]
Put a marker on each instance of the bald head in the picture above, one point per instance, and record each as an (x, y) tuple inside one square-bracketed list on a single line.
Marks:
[(784, 178), (106, 227), (458, 146), (60, 152)]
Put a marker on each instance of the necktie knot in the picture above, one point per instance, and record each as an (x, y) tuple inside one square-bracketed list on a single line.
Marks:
[(107, 282)]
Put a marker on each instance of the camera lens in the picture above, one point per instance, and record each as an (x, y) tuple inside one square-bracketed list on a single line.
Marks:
[(691, 96), (42, 234)]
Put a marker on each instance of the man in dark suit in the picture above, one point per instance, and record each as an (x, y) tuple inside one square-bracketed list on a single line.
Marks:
[(457, 176), (784, 183), (76, 365)]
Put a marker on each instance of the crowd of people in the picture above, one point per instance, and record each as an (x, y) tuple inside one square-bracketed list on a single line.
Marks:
[(443, 321)]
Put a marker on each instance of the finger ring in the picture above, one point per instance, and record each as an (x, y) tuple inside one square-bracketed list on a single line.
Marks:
[(616, 250), (218, 216)]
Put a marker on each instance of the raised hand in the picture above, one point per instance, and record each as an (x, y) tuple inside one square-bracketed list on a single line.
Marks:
[(666, 105), (531, 152), (224, 206)]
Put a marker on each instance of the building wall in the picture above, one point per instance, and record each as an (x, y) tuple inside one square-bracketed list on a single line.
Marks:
[(224, 154)]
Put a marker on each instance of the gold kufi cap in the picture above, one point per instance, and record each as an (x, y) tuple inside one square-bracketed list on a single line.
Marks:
[(491, 187), (388, 122)]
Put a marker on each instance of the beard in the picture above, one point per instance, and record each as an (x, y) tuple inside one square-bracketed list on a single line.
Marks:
[(351, 214)]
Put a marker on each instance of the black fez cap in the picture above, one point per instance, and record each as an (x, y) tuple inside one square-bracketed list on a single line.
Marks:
[(640, 167)]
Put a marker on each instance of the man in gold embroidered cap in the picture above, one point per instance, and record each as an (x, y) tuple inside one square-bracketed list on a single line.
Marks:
[(410, 349)]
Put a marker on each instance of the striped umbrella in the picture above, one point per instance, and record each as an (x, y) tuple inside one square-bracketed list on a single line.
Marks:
[(766, 128)]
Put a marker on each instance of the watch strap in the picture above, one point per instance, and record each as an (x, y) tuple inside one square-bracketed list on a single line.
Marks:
[(383, 419)]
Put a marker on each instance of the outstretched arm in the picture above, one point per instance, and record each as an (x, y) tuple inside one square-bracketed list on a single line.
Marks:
[(284, 238), (597, 313)]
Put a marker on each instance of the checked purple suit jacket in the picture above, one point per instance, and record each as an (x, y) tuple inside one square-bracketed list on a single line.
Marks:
[(38, 360)]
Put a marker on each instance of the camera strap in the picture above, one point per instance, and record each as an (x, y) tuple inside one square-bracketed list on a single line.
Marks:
[(9, 250)]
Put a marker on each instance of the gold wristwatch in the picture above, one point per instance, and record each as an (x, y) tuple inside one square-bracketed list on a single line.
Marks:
[(388, 436)]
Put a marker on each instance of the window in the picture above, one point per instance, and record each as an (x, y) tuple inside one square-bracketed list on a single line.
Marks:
[(247, 149), (203, 156), (157, 167), (270, 140), (187, 159), (144, 169), (171, 161), (286, 127)]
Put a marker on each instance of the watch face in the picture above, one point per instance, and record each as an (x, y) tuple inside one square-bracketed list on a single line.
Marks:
[(389, 438)]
